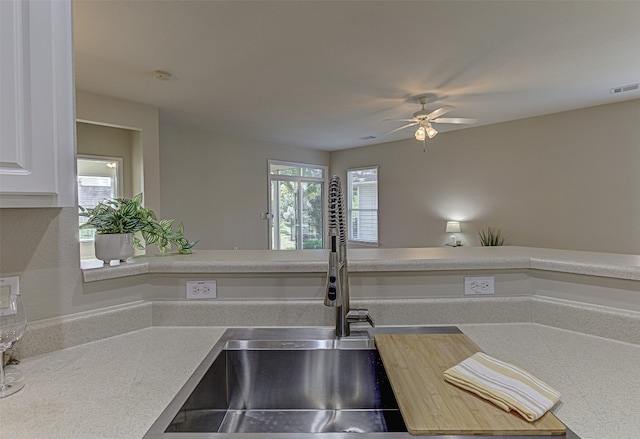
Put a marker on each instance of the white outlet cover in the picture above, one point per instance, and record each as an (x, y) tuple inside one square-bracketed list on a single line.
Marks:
[(478, 285), (201, 289)]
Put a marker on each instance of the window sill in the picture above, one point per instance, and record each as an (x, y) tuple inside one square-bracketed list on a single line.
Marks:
[(364, 244)]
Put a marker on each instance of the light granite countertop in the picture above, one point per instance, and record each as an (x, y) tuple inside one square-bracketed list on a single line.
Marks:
[(117, 387), (380, 259)]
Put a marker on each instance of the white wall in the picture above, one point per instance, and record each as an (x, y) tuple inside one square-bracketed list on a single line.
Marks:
[(218, 186), (569, 180)]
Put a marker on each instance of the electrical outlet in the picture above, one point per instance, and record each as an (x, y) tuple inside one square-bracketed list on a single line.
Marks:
[(201, 289), (474, 285)]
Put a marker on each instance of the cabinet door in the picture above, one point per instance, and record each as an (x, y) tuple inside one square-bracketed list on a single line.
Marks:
[(37, 127)]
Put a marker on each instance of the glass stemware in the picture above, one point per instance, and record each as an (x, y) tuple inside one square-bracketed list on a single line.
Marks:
[(13, 322)]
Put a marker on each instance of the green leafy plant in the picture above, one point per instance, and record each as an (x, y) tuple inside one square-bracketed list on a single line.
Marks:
[(164, 236), (123, 215), (490, 237)]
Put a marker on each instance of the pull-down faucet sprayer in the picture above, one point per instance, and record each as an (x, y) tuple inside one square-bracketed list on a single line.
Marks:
[(337, 294)]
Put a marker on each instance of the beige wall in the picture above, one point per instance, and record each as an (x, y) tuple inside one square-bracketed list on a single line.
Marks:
[(569, 180), (218, 186), (105, 141), (143, 120), (100, 140), (41, 245)]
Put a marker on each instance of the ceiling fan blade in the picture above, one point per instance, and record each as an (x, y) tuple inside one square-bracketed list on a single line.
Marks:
[(401, 128), (458, 120), (399, 120), (440, 111)]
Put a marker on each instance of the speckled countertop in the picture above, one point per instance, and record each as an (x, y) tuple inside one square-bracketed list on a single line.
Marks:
[(117, 387), (380, 259)]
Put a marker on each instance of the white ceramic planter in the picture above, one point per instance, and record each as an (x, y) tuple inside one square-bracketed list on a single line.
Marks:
[(114, 247)]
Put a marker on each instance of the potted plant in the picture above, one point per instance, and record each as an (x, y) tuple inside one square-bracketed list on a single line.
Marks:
[(117, 222), (491, 237)]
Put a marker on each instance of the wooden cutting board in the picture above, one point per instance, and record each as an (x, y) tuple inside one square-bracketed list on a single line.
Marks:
[(430, 406)]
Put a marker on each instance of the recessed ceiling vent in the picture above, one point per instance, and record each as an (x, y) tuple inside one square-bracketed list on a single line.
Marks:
[(624, 88)]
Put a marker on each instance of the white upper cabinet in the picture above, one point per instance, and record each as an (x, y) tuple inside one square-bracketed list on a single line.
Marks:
[(37, 120)]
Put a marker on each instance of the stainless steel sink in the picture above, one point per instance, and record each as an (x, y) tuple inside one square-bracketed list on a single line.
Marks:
[(289, 383), (282, 390)]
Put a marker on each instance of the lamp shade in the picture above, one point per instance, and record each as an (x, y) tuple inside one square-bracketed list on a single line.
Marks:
[(453, 227)]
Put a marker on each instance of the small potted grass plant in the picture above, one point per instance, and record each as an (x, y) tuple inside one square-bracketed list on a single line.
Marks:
[(117, 222), (491, 237)]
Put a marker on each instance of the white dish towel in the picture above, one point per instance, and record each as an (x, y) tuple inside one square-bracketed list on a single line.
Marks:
[(504, 384)]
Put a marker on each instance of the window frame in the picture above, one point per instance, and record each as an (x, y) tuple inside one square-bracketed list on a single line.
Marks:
[(298, 179), (350, 210), (119, 187)]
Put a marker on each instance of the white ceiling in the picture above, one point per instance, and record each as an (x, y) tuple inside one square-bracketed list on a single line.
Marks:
[(325, 74)]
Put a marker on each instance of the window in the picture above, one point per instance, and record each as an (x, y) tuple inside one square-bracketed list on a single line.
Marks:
[(296, 205), (98, 179), (362, 205)]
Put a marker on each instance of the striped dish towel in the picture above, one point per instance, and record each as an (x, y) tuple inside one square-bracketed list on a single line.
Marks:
[(503, 384)]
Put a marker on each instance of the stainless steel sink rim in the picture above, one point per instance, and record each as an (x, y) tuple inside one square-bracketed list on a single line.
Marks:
[(300, 344)]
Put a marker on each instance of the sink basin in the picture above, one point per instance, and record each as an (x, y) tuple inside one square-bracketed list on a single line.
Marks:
[(289, 383), (282, 390)]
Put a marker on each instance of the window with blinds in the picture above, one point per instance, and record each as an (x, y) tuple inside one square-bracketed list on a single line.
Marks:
[(98, 180), (362, 202)]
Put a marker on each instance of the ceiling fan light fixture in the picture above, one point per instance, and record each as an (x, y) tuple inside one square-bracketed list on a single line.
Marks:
[(423, 119), (431, 131)]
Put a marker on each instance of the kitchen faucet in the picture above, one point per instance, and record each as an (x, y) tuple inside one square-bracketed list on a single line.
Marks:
[(337, 294)]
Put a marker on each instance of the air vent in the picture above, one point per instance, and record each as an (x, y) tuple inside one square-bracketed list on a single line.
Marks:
[(624, 88)]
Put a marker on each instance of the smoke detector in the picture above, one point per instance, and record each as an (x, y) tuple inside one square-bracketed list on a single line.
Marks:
[(161, 75)]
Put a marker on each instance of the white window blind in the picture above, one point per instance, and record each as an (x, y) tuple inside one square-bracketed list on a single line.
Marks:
[(362, 193), (98, 180)]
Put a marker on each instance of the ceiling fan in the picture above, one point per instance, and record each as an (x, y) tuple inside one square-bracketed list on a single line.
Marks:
[(424, 119)]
